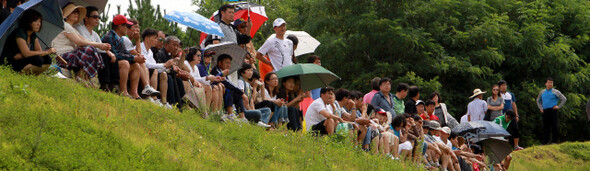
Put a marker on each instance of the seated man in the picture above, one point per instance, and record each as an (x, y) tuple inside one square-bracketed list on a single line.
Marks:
[(319, 118), (158, 78), (171, 52), (233, 95), (108, 76), (128, 64), (429, 115)]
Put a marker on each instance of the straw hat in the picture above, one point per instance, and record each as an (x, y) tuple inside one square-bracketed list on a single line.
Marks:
[(68, 9), (477, 92)]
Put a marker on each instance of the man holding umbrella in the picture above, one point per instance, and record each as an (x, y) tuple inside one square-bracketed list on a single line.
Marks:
[(230, 31)]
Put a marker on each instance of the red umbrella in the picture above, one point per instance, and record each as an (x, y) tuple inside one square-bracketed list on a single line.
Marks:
[(255, 16), (257, 20)]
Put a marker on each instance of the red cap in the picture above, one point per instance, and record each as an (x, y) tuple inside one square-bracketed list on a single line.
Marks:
[(121, 19)]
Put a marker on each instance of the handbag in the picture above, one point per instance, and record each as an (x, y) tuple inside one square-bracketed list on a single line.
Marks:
[(194, 95)]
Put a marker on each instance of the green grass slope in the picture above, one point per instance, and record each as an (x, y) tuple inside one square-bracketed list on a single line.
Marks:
[(565, 156), (50, 123)]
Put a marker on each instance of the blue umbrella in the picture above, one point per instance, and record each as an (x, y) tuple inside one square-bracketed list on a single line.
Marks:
[(195, 21), (52, 23)]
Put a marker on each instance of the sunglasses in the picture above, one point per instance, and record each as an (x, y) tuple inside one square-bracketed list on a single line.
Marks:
[(95, 17), (495, 89), (243, 26), (161, 39)]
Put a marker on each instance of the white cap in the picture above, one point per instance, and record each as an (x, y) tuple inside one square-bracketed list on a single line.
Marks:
[(446, 130), (278, 22)]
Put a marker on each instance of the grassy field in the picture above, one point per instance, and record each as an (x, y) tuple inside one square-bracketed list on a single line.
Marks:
[(565, 156), (50, 123)]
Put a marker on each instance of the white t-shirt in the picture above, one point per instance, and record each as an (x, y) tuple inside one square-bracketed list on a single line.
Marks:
[(128, 44), (313, 116), (61, 43), (279, 51), (150, 62), (90, 36), (464, 118), (194, 71)]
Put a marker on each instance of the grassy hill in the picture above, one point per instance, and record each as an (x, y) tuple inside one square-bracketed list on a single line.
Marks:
[(565, 156), (50, 123)]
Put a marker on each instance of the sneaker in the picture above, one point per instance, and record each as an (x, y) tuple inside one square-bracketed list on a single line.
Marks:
[(262, 124), (517, 148), (233, 116), (225, 118), (149, 91), (154, 101), (243, 120), (159, 102), (168, 106)]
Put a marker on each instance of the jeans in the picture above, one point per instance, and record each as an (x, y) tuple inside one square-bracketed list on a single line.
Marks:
[(265, 114), (368, 135), (253, 115), (280, 115)]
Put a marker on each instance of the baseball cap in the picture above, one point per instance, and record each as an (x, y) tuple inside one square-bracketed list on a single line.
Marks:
[(380, 111), (419, 102), (239, 21), (278, 22), (121, 19)]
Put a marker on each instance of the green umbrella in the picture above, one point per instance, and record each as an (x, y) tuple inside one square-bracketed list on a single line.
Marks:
[(311, 75)]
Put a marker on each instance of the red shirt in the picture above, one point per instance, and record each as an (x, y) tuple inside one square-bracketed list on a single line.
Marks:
[(431, 117)]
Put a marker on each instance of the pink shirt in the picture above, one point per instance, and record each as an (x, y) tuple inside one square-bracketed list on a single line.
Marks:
[(369, 96)]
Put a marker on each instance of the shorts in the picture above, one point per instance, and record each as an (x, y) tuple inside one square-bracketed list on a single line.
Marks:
[(390, 136), (319, 128), (404, 146)]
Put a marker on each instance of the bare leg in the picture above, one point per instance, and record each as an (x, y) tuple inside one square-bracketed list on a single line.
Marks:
[(123, 76), (395, 147), (208, 96), (214, 98), (144, 74), (376, 144), (163, 82), (330, 126), (135, 76), (154, 78), (40, 70)]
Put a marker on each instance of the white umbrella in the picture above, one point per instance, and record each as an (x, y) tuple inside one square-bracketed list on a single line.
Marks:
[(307, 44)]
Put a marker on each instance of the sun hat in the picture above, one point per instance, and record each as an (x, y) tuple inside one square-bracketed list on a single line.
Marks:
[(68, 9), (434, 125), (477, 92)]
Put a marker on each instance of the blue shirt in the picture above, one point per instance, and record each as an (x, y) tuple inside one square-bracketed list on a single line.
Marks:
[(549, 99), (477, 109), (315, 93)]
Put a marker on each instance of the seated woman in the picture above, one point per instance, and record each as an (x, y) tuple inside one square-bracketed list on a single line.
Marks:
[(269, 99), (259, 115), (193, 57), (81, 54), (22, 48), (205, 68), (292, 95)]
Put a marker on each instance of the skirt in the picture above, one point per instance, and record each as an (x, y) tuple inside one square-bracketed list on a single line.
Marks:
[(86, 58)]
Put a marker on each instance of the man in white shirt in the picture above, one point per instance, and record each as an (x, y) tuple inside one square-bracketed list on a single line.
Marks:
[(279, 49), (476, 109), (158, 78), (318, 117)]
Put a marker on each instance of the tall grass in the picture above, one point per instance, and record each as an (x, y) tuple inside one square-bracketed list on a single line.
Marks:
[(50, 123)]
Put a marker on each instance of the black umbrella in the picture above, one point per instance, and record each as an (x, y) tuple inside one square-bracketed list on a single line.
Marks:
[(480, 129), (496, 148), (53, 22)]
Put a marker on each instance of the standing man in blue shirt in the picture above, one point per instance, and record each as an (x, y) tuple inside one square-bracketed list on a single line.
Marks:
[(547, 103)]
